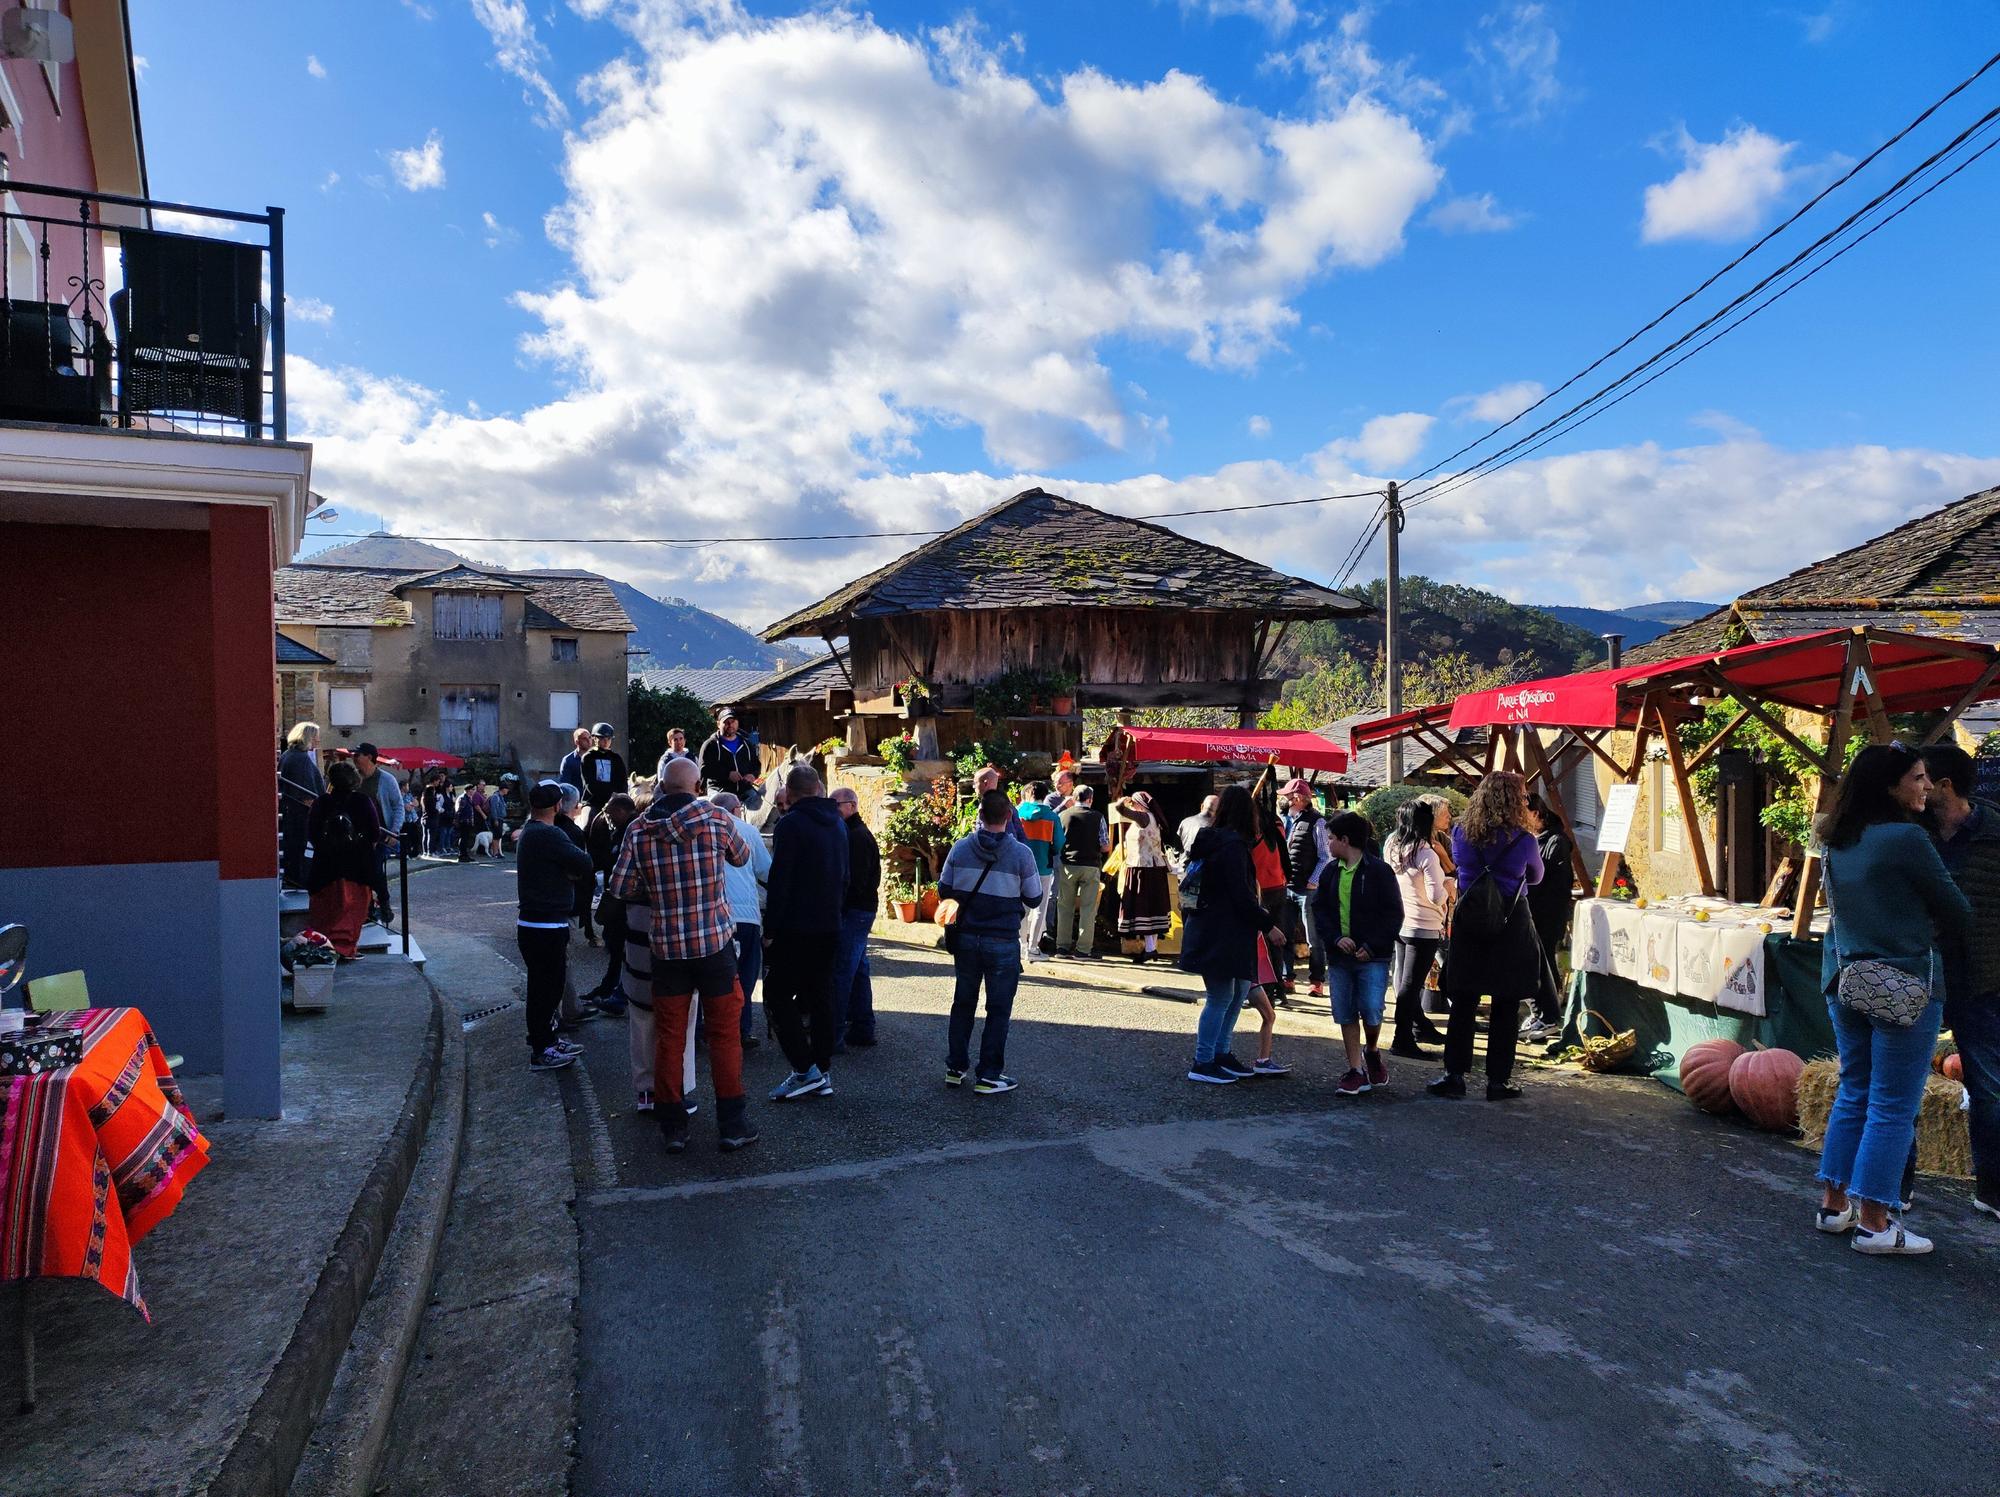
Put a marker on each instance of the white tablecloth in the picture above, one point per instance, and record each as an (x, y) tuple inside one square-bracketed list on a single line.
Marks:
[(1719, 960)]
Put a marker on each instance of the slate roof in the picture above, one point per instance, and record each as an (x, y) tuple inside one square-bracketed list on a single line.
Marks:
[(1938, 574), (809, 682), (713, 685), (291, 652), (317, 594), (459, 579), (1041, 550)]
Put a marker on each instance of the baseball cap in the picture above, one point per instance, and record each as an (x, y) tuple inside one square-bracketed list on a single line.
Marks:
[(369, 749), (546, 795), (602, 730), (1298, 784)]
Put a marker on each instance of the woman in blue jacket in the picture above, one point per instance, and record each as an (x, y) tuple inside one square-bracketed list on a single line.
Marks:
[(1218, 943), (1894, 904), (1358, 911)]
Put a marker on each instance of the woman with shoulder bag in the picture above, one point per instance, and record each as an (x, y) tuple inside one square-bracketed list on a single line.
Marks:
[(1223, 919), (1492, 947), (1413, 860), (1894, 906)]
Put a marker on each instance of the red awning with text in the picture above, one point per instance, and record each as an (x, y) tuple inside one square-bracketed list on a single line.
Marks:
[(1249, 745)]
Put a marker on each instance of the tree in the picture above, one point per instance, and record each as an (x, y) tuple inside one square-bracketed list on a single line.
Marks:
[(650, 712)]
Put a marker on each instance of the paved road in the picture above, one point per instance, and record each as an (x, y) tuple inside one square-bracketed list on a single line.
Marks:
[(1112, 1281)]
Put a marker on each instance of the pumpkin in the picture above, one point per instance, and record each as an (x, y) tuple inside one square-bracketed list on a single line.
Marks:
[(1952, 1068), (1705, 1074), (1765, 1085)]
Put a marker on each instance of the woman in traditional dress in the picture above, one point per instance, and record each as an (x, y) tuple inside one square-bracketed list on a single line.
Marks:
[(299, 785), (1142, 882), (344, 827)]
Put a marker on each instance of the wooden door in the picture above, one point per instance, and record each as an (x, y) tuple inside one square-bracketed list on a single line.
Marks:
[(469, 720)]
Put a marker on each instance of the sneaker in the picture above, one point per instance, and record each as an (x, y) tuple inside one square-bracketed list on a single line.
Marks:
[(751, 1042), (953, 1076), (1500, 1091), (825, 1084), (1067, 953), (1894, 1240), (1086, 956), (644, 1104), (674, 1131), (799, 1084), (612, 1004), (1047, 943), (1272, 1066), (1842, 1220), (1378, 1070), (1317, 990), (738, 1135), (690, 1106), (550, 1059), (584, 1015), (568, 1047), (1534, 1032), (1986, 1206), (1446, 1085), (1407, 1049), (1209, 1071), (1353, 1084), (1235, 1067), (992, 1086)]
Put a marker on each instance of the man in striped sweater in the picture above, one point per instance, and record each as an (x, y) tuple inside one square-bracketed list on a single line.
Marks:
[(994, 879)]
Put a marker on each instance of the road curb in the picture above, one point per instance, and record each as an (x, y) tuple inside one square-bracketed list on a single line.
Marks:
[(344, 1456), (273, 1438)]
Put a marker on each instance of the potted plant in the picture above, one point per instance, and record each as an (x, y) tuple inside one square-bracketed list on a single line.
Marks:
[(915, 695), (927, 901), (310, 958), (902, 899), (897, 755), (1062, 691)]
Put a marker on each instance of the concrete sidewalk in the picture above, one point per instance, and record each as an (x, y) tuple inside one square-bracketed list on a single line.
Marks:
[(283, 1215)]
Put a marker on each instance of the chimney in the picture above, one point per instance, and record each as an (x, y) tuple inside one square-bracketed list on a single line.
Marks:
[(1614, 649)]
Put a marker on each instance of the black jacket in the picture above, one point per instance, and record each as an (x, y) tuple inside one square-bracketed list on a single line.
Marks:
[(614, 779), (1376, 905), (342, 829), (548, 867), (808, 883), (603, 840), (864, 866), (718, 763), (1221, 935), (1548, 899)]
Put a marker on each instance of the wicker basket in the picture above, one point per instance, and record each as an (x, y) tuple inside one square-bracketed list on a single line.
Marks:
[(1607, 1052)]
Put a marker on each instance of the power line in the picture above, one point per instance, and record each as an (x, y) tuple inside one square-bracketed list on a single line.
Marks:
[(1447, 486), (1486, 463), (850, 535), (1812, 203)]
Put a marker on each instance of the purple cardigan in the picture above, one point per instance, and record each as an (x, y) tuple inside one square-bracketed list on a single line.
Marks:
[(1516, 861)]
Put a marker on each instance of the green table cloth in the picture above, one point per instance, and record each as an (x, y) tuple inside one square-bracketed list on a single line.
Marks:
[(1667, 1024)]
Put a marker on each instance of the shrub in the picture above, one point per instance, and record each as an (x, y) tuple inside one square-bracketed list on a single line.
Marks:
[(1381, 806)]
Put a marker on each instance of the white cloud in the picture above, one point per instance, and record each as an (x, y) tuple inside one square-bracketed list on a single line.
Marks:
[(1344, 65), (1385, 443), (420, 10), (418, 168), (1518, 49), (1723, 191), (519, 51), (140, 64), (494, 232), (1474, 213), (1277, 16), (314, 66), (309, 309), (1502, 403), (797, 246), (1258, 426), (330, 181)]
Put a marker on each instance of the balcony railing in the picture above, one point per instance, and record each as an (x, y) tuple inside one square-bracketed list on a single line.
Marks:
[(146, 315)]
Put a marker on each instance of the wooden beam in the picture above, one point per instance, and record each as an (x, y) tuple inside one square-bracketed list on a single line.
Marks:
[(1700, 756), (1552, 795), (1603, 754), (1690, 812), (1814, 756), (1608, 873), (839, 659), (1972, 694), (1838, 732)]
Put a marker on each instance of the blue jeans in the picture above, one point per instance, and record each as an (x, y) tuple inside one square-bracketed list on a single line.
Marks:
[(1975, 1025), (1356, 990), (996, 960), (1215, 1030), (749, 965), (1309, 923), (853, 984), (1882, 1072)]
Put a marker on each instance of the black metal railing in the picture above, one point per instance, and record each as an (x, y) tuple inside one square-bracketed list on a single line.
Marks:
[(147, 315)]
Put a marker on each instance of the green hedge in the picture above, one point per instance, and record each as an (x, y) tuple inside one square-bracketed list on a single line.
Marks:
[(1380, 806)]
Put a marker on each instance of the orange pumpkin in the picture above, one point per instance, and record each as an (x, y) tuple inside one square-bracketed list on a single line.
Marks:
[(1705, 1074), (1952, 1068), (1765, 1085)]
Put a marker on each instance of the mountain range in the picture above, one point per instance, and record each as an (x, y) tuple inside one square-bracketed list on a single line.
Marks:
[(665, 631), (1640, 624)]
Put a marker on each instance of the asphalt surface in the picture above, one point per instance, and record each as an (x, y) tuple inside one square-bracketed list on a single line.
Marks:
[(1115, 1281)]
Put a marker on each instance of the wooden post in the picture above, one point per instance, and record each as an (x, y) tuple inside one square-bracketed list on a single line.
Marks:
[(1628, 775), (1690, 812), (1840, 727), (1552, 794)]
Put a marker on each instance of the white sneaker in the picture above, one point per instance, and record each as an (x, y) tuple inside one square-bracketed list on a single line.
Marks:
[(1979, 1205), (1837, 1221), (1894, 1239)]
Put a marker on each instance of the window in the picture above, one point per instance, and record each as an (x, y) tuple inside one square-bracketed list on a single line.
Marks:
[(562, 651), (465, 615), (350, 649), (347, 707), (562, 710)]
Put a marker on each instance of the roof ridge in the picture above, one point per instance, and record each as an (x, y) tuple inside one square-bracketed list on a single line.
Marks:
[(1943, 518)]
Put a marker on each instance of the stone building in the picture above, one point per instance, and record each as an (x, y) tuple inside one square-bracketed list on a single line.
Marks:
[(470, 660)]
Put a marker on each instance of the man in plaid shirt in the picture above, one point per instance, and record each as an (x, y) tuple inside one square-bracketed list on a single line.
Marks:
[(672, 861)]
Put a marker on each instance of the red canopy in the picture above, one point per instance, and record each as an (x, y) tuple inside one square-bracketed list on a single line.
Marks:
[(1257, 746), (1382, 729), (1910, 673), (415, 756)]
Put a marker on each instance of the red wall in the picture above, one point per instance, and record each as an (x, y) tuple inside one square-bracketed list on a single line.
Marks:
[(246, 712), (107, 697), (57, 145)]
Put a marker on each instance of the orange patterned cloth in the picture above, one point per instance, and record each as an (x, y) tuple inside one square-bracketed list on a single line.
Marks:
[(93, 1156)]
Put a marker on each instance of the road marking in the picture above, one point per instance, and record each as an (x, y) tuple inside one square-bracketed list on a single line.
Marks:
[(784, 1409), (603, 1160)]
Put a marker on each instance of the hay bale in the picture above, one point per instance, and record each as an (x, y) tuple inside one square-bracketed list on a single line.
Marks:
[(1944, 1137)]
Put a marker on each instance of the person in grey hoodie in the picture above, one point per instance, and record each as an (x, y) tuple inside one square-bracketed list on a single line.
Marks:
[(993, 878)]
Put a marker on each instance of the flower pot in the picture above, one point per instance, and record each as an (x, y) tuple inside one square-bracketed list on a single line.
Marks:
[(927, 903), (906, 911), (1063, 706), (1038, 706), (312, 988)]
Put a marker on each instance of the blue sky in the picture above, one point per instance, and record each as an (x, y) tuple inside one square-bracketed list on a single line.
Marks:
[(643, 267)]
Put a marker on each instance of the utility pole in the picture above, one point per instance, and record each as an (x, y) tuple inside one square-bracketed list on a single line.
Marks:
[(1392, 654)]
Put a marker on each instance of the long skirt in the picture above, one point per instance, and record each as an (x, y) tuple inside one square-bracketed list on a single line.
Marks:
[(339, 911), (1142, 902)]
